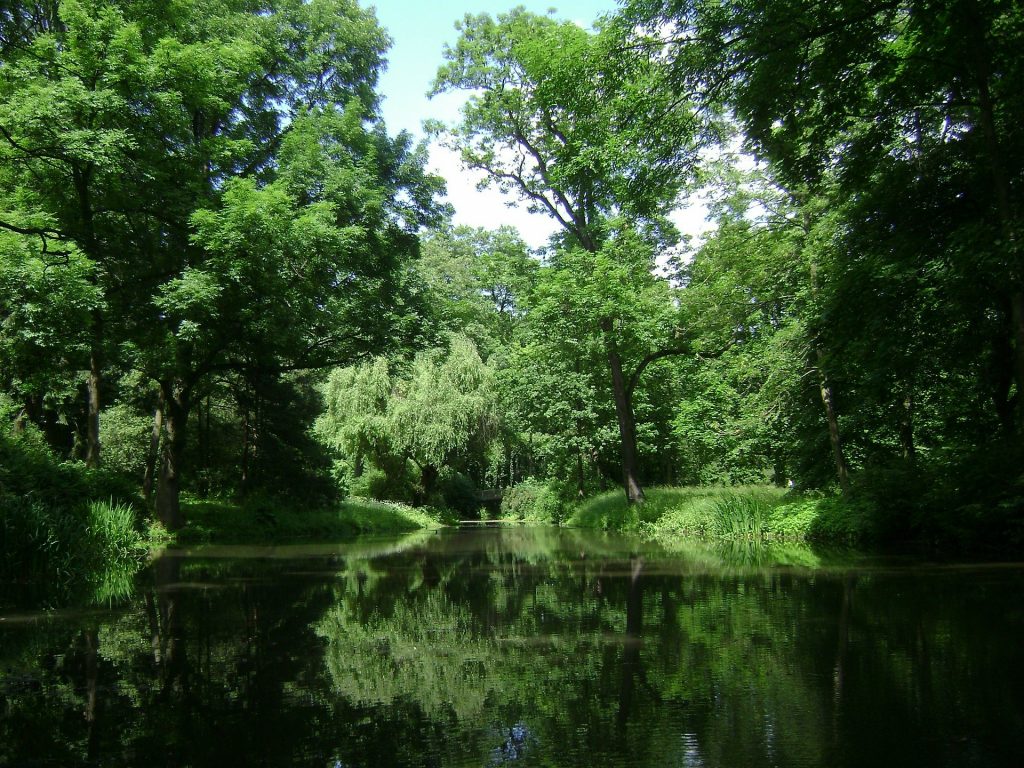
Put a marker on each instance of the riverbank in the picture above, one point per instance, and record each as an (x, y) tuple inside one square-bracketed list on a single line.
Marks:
[(267, 521), (871, 517), (734, 512)]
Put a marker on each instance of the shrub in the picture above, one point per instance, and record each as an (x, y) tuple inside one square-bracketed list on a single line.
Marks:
[(533, 501), (126, 436), (377, 484), (824, 518), (53, 532)]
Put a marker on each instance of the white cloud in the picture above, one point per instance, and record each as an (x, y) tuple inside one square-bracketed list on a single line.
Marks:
[(487, 208)]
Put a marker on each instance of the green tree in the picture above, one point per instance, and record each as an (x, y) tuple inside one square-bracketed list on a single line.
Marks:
[(439, 413), (560, 117), (905, 107), (224, 171), (476, 279)]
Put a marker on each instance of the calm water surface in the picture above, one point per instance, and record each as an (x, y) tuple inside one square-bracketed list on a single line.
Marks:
[(524, 647)]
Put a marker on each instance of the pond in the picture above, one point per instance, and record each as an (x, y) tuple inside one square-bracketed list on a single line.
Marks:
[(524, 646)]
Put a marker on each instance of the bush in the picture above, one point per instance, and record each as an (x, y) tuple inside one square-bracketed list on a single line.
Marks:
[(126, 435), (824, 518), (53, 532), (377, 484), (532, 501)]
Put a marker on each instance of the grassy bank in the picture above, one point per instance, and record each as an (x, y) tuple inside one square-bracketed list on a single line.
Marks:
[(739, 512), (65, 531), (266, 521)]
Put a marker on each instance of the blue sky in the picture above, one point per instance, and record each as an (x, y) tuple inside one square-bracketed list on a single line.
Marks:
[(419, 31)]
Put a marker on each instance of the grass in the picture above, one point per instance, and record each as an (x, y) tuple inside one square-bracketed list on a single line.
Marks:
[(265, 521), (730, 513), (56, 554), (112, 530)]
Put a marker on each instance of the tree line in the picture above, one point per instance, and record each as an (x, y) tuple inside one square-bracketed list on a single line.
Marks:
[(205, 219)]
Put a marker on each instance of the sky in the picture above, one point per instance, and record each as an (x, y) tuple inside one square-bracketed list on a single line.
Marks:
[(419, 30)]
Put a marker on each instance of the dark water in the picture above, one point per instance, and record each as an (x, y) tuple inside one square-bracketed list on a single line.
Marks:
[(524, 647)]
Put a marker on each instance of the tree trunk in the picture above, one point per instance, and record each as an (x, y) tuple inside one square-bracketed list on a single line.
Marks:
[(581, 480), (92, 430), (168, 494), (834, 436), (827, 396), (154, 448), (204, 447), (428, 479), (627, 421), (244, 484), (1001, 376)]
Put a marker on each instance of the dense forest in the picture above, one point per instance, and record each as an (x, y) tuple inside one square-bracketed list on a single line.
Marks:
[(222, 277)]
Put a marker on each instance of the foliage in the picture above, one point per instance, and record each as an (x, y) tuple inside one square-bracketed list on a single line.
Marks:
[(557, 115), (476, 281), (532, 501), (265, 520), (56, 531), (126, 436), (439, 412)]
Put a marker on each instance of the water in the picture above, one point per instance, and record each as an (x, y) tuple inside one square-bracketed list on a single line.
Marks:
[(524, 647)]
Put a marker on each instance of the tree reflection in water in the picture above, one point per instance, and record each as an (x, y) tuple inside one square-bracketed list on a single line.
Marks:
[(498, 647)]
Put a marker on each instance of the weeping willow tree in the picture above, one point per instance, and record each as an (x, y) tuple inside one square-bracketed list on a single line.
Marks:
[(438, 413)]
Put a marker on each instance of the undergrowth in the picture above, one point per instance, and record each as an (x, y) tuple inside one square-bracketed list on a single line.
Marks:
[(734, 513), (64, 530), (266, 520)]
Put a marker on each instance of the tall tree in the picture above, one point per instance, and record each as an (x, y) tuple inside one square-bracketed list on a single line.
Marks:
[(563, 118), (69, 112), (917, 102), (223, 169)]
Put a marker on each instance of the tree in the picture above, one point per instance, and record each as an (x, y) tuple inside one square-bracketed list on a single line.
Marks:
[(563, 118), (70, 115), (440, 412), (476, 279), (224, 171), (899, 105)]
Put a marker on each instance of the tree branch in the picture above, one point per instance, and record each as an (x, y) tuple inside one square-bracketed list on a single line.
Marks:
[(673, 352)]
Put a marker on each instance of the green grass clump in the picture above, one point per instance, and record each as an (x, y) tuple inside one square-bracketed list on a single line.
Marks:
[(733, 513), (111, 527), (265, 520), (737, 512)]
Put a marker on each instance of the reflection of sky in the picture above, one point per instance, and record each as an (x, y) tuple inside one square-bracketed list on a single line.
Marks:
[(691, 751)]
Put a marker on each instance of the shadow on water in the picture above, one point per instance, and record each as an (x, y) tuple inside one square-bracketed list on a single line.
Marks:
[(526, 646)]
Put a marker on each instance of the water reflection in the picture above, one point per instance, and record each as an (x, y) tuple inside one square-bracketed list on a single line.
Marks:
[(527, 647)]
